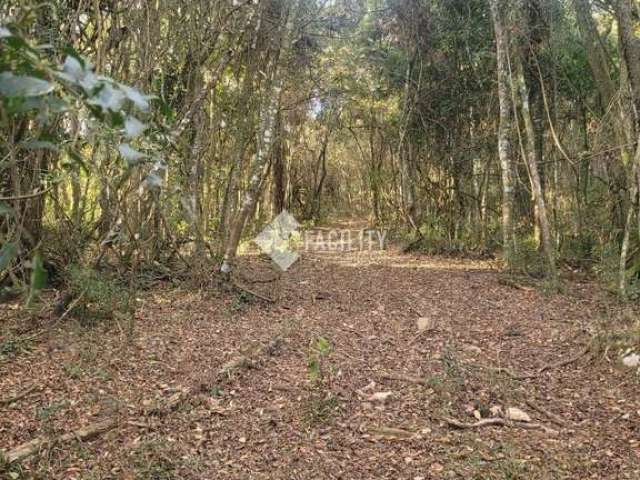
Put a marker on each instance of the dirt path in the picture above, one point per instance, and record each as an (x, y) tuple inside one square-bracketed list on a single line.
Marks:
[(271, 421)]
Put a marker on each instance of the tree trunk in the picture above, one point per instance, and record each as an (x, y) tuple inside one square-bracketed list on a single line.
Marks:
[(504, 131), (532, 154), (263, 149)]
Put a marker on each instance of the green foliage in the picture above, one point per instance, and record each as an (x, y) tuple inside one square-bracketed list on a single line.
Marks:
[(442, 237), (580, 250), (153, 460), (98, 296), (241, 301), (38, 277), (322, 402), (528, 258), (8, 253), (11, 346), (67, 110)]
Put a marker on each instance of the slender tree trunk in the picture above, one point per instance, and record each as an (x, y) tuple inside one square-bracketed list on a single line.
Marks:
[(532, 155), (258, 171), (504, 130), (278, 171), (322, 163), (265, 139)]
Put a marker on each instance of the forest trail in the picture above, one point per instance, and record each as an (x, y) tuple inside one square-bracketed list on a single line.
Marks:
[(377, 349)]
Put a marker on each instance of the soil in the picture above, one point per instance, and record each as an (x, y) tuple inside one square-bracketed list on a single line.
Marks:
[(377, 351)]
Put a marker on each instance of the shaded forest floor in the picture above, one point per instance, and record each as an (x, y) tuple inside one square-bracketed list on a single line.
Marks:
[(445, 337)]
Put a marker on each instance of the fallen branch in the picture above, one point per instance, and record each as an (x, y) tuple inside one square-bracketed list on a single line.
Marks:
[(544, 368), (480, 423), (19, 396), (391, 432), (510, 283), (550, 415), (254, 293), (26, 196), (34, 446), (563, 363), (240, 362), (500, 422)]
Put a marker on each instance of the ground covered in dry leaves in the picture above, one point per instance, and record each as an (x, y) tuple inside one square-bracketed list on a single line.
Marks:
[(353, 373)]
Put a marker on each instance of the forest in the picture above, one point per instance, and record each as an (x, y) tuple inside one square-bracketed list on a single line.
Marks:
[(301, 239)]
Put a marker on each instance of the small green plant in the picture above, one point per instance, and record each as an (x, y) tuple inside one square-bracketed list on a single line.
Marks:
[(216, 391), (11, 346), (51, 410), (241, 301), (73, 370), (152, 460), (98, 296), (322, 401), (318, 353), (528, 259)]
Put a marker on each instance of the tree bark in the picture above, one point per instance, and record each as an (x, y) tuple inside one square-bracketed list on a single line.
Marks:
[(504, 130), (532, 154), (260, 163)]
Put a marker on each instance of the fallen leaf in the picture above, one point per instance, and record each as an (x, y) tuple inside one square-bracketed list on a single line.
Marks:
[(380, 396), (517, 415), (496, 411), (632, 360), (424, 324)]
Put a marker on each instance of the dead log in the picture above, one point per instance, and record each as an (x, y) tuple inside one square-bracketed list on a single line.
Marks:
[(32, 447)]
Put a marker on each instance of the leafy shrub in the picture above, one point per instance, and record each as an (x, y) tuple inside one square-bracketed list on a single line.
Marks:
[(98, 296), (46, 96), (528, 258)]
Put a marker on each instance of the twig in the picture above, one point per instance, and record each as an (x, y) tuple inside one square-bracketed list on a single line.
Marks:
[(563, 363), (552, 416), (404, 378), (33, 446), (254, 293), (480, 423), (500, 422), (19, 396), (71, 306), (544, 368), (26, 196)]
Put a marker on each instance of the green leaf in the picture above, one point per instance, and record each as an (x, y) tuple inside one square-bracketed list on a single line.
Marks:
[(38, 274), (314, 368), (5, 209), (7, 253), (48, 104), (153, 181), (23, 86), (73, 67), (18, 43), (323, 345)]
